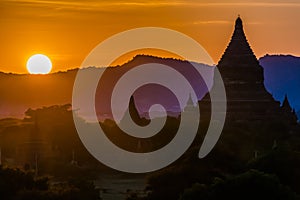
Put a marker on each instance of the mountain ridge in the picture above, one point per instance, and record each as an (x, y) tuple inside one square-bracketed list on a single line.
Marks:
[(281, 73), (14, 104), (34, 91)]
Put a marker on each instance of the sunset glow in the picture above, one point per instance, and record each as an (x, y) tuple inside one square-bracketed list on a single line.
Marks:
[(69, 30), (149, 99)]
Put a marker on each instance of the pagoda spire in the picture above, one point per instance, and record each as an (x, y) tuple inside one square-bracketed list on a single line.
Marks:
[(190, 101), (134, 113), (190, 104), (286, 104), (238, 52), (238, 63)]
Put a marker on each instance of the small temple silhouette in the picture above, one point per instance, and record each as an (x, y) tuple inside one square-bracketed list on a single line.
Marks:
[(134, 113), (286, 104)]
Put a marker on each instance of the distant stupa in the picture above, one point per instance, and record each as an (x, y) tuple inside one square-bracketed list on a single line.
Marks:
[(134, 113), (286, 104), (288, 110)]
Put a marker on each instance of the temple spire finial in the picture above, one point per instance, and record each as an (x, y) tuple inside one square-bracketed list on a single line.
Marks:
[(239, 23)]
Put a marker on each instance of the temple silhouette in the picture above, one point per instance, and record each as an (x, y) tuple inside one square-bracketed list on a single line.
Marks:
[(247, 98), (254, 119)]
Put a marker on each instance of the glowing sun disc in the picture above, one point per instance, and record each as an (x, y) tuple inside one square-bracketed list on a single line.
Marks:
[(39, 64)]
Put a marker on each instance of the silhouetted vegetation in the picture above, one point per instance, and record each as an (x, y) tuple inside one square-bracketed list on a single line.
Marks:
[(16, 184), (46, 137), (248, 186), (265, 146)]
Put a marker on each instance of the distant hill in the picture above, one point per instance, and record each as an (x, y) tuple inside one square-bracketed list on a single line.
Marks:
[(20, 92), (282, 77)]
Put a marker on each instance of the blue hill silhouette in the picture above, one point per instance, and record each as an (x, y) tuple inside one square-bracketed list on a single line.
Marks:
[(282, 77)]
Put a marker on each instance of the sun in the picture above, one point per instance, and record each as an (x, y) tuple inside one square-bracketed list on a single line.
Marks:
[(39, 64)]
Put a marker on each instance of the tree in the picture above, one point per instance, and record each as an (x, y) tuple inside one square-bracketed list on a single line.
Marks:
[(250, 185)]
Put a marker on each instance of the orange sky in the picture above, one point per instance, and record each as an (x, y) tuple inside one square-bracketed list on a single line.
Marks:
[(67, 31)]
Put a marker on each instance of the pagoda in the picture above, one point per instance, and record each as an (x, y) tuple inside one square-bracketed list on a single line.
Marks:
[(288, 111), (252, 114), (250, 108), (247, 98), (286, 104)]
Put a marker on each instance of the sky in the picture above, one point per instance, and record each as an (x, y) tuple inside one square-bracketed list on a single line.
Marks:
[(66, 31)]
